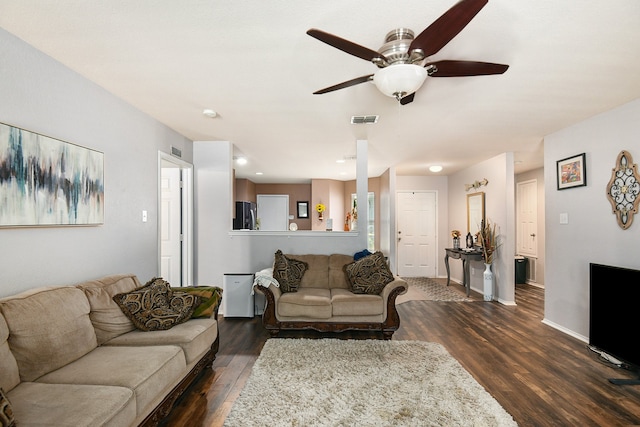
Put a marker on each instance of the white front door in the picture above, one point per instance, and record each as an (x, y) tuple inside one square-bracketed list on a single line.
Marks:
[(416, 240), (527, 214), (170, 225)]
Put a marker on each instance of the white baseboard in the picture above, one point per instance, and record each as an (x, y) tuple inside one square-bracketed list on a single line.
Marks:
[(565, 330)]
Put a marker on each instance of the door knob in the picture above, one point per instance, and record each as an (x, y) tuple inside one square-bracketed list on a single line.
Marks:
[(532, 234)]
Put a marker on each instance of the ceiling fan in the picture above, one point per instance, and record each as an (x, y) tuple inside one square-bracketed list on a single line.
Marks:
[(403, 60)]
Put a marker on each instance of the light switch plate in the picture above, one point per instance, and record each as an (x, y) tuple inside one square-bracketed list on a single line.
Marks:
[(564, 218), (144, 216)]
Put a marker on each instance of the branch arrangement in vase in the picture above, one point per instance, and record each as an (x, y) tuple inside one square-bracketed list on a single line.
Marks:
[(488, 240)]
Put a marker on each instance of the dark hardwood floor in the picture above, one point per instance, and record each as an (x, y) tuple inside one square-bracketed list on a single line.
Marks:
[(541, 376)]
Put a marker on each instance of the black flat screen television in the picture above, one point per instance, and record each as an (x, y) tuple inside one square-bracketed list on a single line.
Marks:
[(614, 312)]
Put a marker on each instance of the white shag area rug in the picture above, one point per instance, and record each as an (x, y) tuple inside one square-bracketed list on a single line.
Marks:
[(331, 382)]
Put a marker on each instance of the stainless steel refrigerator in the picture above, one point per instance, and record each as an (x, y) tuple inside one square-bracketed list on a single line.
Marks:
[(246, 214)]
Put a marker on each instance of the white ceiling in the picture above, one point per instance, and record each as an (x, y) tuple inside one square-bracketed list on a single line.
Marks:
[(252, 62)]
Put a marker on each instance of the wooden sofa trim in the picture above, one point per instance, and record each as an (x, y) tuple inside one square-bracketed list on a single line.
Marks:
[(167, 404), (387, 327)]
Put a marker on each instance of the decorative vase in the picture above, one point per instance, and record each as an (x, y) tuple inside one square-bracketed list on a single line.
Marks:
[(456, 243), (488, 282)]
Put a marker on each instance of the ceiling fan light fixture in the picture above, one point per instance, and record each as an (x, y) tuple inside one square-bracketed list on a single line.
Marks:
[(400, 79)]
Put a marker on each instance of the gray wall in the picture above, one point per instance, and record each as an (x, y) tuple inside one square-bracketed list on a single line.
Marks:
[(43, 96), (592, 234)]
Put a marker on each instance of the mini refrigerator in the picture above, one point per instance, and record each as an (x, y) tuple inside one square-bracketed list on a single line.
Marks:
[(237, 299)]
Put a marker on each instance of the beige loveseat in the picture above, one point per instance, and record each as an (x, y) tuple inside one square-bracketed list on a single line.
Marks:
[(325, 302), (70, 357)]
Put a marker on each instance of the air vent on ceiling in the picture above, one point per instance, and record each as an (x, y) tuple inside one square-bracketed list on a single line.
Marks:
[(360, 120)]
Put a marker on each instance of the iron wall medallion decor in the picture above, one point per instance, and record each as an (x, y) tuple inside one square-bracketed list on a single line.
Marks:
[(623, 189)]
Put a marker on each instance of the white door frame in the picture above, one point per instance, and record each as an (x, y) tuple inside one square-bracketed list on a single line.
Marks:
[(187, 215)]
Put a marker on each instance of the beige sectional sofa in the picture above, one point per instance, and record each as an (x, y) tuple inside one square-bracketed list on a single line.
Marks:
[(324, 300), (70, 357)]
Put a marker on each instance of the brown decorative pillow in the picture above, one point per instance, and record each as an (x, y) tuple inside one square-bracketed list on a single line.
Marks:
[(369, 275), (6, 413), (211, 297), (288, 272), (153, 308), (184, 303)]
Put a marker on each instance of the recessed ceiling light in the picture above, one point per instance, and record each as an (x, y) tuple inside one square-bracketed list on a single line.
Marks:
[(258, 173), (435, 168), (241, 160), (340, 161), (209, 113)]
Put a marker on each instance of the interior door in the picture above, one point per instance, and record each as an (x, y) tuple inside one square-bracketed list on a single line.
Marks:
[(416, 240), (527, 214), (170, 225), (273, 212)]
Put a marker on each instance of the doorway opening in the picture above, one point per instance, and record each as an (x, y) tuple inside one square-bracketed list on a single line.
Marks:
[(527, 233), (175, 220)]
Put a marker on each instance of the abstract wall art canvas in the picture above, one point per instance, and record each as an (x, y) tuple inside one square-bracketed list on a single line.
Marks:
[(48, 182)]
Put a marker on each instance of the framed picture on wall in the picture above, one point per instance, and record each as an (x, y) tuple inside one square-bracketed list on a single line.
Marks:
[(48, 182), (303, 209), (571, 172)]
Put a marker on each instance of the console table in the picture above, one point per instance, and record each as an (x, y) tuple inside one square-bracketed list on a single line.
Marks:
[(465, 256)]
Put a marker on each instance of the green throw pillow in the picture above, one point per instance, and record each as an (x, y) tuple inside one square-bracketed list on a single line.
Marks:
[(288, 272), (369, 275), (155, 307), (211, 296), (6, 413)]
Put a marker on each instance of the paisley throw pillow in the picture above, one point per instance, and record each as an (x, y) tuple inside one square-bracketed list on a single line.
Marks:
[(369, 275), (288, 272)]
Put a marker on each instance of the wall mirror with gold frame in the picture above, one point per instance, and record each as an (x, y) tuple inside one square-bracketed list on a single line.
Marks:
[(475, 212)]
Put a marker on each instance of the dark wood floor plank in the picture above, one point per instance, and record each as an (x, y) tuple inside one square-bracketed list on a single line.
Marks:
[(540, 375)]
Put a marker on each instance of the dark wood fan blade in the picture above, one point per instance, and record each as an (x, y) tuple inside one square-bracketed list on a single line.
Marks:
[(343, 85), (466, 68), (445, 28), (345, 45), (407, 99)]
